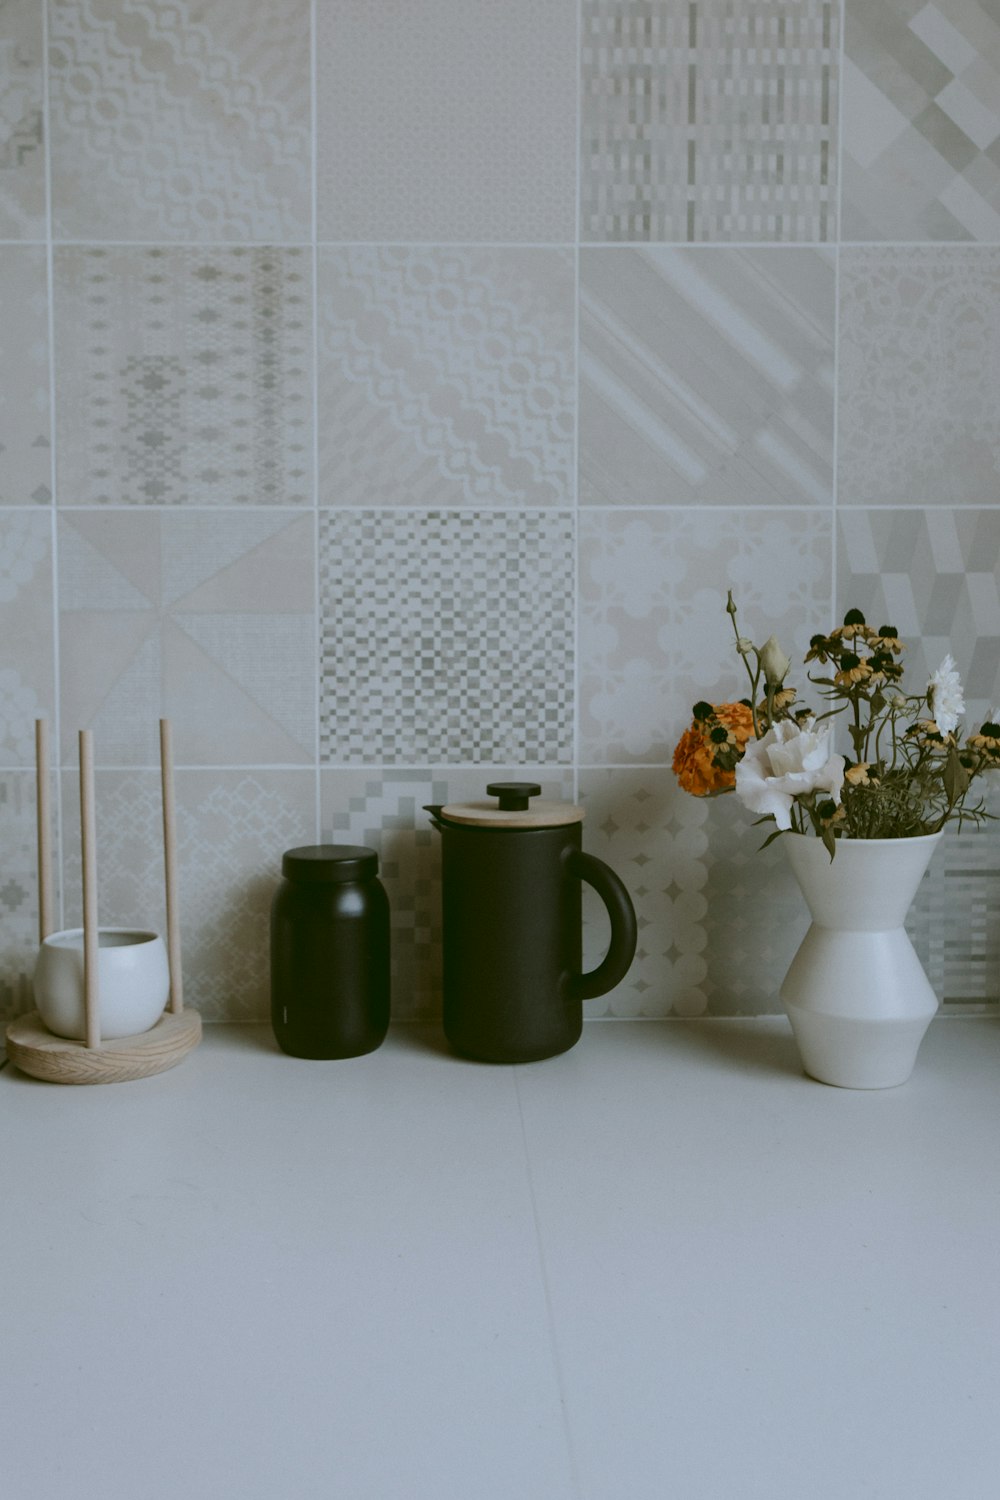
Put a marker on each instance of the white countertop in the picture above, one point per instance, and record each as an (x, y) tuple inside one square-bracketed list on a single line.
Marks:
[(665, 1266)]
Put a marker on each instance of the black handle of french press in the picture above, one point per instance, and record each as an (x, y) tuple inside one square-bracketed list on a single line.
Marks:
[(513, 794)]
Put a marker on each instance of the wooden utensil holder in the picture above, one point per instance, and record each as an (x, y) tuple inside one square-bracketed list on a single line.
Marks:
[(31, 1046)]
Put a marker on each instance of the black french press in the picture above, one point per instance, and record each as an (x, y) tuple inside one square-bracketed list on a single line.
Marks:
[(512, 925)]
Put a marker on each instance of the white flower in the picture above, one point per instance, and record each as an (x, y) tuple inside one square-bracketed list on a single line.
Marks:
[(944, 695), (782, 764), (774, 662)]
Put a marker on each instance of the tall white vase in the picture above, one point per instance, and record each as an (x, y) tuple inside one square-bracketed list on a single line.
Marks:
[(856, 994)]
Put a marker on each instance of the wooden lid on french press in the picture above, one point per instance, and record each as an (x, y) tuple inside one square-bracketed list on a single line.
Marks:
[(514, 808)]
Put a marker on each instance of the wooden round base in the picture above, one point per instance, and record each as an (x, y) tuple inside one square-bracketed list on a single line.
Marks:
[(57, 1059)]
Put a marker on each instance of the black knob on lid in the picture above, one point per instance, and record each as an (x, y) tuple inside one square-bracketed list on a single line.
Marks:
[(513, 794)]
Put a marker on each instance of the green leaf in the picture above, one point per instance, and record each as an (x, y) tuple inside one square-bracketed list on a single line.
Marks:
[(956, 777), (829, 842), (771, 838)]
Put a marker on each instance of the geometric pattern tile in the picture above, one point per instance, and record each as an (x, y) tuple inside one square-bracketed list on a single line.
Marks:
[(755, 915), (25, 443), (27, 666), (919, 375), (451, 120), (447, 637), (654, 635), (446, 376), (184, 376), (385, 810), (19, 889), (935, 575), (174, 120), (955, 918), (206, 616), (709, 120), (232, 829), (706, 376), (719, 920), (22, 160), (921, 107), (657, 839)]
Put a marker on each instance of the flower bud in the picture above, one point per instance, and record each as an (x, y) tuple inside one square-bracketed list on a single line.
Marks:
[(774, 663)]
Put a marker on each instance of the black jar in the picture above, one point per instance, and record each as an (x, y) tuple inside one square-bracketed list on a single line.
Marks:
[(330, 952)]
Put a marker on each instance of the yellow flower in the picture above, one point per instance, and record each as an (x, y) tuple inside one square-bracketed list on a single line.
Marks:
[(987, 741), (851, 670), (858, 775)]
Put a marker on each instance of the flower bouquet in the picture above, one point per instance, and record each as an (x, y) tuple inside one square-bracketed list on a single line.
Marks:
[(909, 772), (864, 825)]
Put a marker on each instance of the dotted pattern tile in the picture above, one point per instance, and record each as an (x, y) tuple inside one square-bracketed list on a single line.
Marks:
[(446, 638), (710, 120)]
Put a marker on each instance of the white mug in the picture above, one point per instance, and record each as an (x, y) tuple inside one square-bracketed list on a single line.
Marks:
[(133, 982)]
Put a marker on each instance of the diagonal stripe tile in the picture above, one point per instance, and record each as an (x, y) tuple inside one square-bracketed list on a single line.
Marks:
[(706, 376)]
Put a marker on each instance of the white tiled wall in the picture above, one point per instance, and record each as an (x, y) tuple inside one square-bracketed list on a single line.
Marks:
[(391, 393)]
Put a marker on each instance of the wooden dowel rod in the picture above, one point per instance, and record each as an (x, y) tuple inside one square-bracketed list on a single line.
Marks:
[(88, 848), (46, 923), (170, 867)]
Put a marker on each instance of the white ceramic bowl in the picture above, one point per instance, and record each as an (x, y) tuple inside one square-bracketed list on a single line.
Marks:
[(133, 982)]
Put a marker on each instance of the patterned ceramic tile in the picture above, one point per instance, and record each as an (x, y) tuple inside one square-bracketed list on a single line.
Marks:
[(962, 957), (22, 161), (19, 890), (179, 120), (26, 645), (755, 915), (385, 810), (706, 376), (654, 633), (709, 119), (935, 575), (184, 376), (447, 637), (919, 374), (25, 445), (446, 376), (657, 840), (232, 828), (207, 617), (719, 920), (921, 146), (447, 120)]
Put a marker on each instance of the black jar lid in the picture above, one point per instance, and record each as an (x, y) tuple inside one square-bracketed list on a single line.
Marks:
[(323, 863)]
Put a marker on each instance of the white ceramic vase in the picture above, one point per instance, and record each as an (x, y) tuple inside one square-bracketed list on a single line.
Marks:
[(856, 994), (133, 978)]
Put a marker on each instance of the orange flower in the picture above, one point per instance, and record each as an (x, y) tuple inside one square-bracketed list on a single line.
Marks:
[(695, 757)]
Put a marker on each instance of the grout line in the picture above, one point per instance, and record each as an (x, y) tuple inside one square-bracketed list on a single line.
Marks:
[(557, 1364), (837, 290), (576, 405), (709, 246), (663, 508), (317, 611), (168, 244), (53, 478), (834, 581)]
